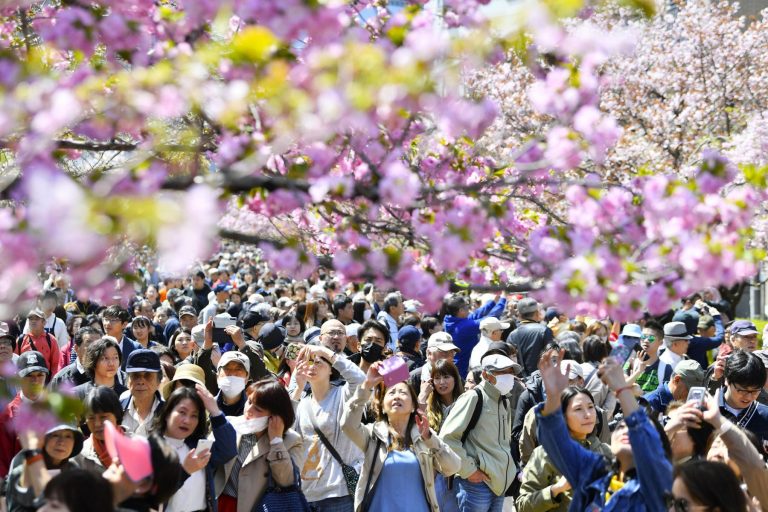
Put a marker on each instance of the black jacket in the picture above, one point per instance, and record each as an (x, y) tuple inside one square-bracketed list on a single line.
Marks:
[(530, 338)]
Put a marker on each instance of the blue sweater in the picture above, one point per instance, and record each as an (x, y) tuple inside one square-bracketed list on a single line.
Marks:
[(590, 474), (466, 331)]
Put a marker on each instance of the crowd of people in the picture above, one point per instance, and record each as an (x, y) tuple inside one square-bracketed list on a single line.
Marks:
[(235, 389)]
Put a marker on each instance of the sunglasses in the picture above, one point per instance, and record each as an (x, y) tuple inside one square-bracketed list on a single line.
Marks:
[(649, 337)]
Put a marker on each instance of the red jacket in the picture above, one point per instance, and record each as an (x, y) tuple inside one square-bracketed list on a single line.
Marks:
[(9, 441), (47, 345)]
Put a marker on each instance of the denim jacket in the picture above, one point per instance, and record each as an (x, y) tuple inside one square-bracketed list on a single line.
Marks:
[(590, 474)]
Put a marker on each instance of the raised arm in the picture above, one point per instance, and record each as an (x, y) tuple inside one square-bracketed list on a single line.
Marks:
[(351, 419)]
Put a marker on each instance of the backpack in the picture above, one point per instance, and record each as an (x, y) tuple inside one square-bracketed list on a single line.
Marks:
[(20, 341)]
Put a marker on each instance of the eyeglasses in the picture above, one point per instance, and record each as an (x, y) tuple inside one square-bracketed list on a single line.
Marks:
[(676, 504), (750, 392), (649, 337), (336, 334)]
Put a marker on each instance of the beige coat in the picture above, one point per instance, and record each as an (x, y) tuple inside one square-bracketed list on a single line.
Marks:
[(252, 482), (432, 454)]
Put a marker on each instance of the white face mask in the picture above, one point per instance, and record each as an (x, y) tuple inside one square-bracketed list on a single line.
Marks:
[(253, 425), (231, 386), (504, 383), (367, 314)]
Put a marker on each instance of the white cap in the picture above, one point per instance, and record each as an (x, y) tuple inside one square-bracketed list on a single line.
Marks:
[(491, 323), (412, 306), (575, 371), (352, 329), (442, 341), (497, 362)]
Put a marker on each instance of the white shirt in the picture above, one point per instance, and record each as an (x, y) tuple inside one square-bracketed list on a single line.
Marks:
[(480, 349), (391, 323), (191, 496), (134, 424), (668, 358), (57, 326)]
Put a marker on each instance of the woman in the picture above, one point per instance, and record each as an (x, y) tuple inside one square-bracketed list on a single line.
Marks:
[(60, 444), (361, 310), (440, 392), (152, 296), (411, 451), (319, 423), (641, 475), (543, 487), (311, 315), (102, 365), (705, 485), (68, 354), (142, 330), (266, 446), (183, 423), (598, 328), (436, 398), (101, 404), (77, 490), (474, 376), (594, 351), (182, 345), (93, 321), (294, 329)]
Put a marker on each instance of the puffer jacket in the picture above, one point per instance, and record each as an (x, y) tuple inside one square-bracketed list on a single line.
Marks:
[(432, 454), (540, 474), (488, 446)]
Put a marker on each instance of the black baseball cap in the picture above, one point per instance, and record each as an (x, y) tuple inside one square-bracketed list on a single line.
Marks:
[(187, 310), (271, 336), (253, 318), (31, 361), (143, 360)]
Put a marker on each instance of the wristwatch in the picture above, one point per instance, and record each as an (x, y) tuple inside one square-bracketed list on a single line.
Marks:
[(31, 452)]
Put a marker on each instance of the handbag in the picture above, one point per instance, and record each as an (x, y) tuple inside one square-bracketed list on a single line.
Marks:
[(350, 474), (283, 499)]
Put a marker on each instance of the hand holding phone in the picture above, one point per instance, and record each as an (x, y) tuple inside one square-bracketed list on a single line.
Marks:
[(204, 445)]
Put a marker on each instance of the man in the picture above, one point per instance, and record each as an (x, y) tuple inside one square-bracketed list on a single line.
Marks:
[(745, 376), (198, 291), (252, 322), (687, 374), (373, 342), (32, 370), (439, 346), (271, 338), (142, 405), (221, 303), (54, 325), (408, 338), (491, 329), (333, 335), (676, 340), (531, 336), (376, 298), (232, 376), (343, 309), (710, 335), (487, 468), (651, 340), (74, 374), (390, 315), (464, 327), (688, 312), (38, 340), (115, 319), (744, 335)]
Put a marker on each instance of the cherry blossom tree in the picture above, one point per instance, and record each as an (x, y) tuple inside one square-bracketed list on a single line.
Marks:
[(341, 132)]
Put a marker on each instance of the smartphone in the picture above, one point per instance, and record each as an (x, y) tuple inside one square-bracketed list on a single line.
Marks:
[(219, 323), (204, 445), (623, 348), (697, 395)]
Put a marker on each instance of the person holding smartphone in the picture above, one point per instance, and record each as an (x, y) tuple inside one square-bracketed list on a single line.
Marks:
[(184, 425)]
